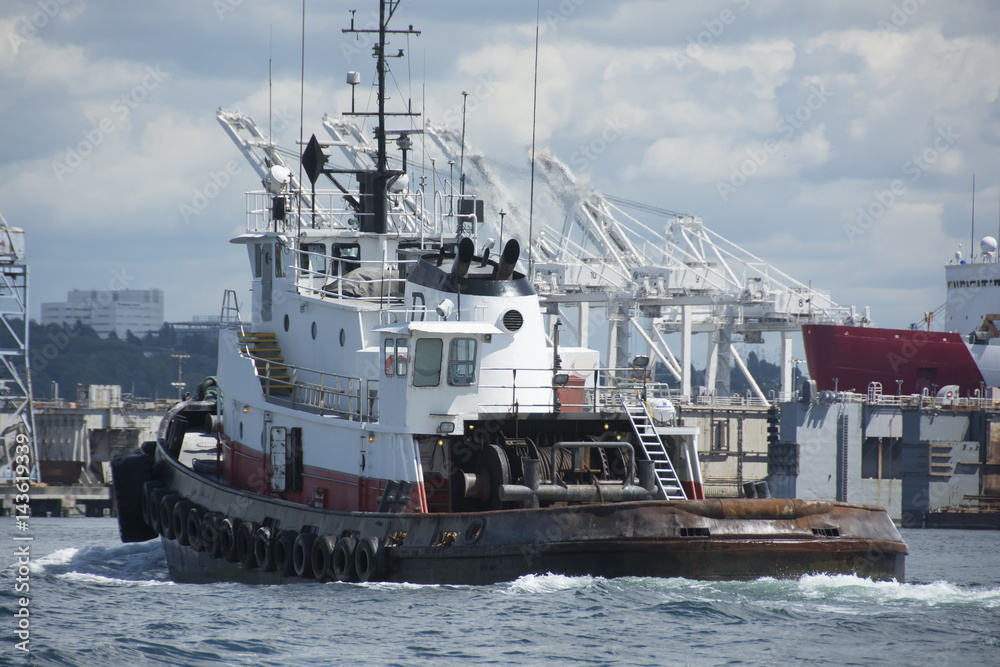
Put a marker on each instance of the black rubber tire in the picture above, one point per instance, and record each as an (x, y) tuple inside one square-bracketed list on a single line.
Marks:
[(263, 548), (343, 559), (228, 529), (155, 498), (151, 518), (302, 551), (322, 556), (245, 534), (179, 519), (369, 559), (283, 547), (167, 515), (193, 527), (129, 475), (210, 534)]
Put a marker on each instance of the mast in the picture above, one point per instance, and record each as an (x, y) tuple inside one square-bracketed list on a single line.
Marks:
[(374, 186)]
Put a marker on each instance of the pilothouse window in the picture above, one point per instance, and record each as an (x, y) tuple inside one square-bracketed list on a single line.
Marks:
[(314, 257), (462, 361), (258, 260), (279, 267), (427, 362), (346, 258), (395, 357)]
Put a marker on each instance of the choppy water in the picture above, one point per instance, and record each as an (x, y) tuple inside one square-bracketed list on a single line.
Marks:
[(95, 601)]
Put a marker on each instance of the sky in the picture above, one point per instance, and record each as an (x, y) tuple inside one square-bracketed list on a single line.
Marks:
[(836, 140)]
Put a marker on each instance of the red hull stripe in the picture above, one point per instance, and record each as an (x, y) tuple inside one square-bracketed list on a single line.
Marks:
[(858, 356), (246, 469)]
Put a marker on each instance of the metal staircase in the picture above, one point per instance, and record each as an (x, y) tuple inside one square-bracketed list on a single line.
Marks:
[(263, 348), (652, 446)]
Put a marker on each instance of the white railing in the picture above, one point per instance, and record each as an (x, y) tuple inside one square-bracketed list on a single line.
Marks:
[(921, 401), (329, 393)]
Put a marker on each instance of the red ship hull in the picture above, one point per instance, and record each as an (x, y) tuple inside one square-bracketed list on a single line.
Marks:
[(851, 358)]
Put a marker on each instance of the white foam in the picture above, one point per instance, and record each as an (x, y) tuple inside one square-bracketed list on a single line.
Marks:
[(396, 586), (97, 579), (60, 557), (548, 583), (843, 588)]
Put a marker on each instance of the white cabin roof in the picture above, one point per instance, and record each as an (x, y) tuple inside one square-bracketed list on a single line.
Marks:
[(458, 327)]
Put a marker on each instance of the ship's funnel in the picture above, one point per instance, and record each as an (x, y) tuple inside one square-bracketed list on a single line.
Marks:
[(511, 251), (466, 249)]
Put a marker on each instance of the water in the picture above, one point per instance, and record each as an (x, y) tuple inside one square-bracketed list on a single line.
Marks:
[(95, 601)]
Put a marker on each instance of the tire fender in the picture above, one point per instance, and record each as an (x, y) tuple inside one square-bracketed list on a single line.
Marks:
[(369, 559), (322, 557), (343, 559), (302, 552)]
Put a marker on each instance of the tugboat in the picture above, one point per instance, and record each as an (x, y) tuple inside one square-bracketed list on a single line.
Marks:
[(388, 408)]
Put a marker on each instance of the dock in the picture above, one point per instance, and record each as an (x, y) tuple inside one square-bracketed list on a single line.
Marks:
[(61, 501)]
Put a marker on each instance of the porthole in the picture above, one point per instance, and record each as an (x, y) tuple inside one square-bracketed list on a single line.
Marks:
[(512, 320), (343, 337), (314, 331), (286, 322)]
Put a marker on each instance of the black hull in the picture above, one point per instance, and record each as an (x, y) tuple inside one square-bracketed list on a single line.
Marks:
[(698, 539)]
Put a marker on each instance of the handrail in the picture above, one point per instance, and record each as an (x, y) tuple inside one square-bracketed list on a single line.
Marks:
[(329, 392)]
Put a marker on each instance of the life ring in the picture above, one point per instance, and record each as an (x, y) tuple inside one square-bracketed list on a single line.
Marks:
[(245, 544), (167, 515), (343, 559), (228, 530), (193, 527), (322, 556), (390, 364), (302, 551), (129, 476), (369, 560), (263, 548), (178, 520), (283, 546)]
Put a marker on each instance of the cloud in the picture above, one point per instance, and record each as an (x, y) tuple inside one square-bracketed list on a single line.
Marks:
[(655, 101)]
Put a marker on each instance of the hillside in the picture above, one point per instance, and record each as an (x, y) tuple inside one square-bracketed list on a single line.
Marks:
[(143, 367)]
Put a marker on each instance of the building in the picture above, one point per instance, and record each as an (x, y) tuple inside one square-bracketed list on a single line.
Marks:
[(106, 311)]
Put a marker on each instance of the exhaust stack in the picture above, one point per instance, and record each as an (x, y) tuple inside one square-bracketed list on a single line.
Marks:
[(511, 251), (466, 249)]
